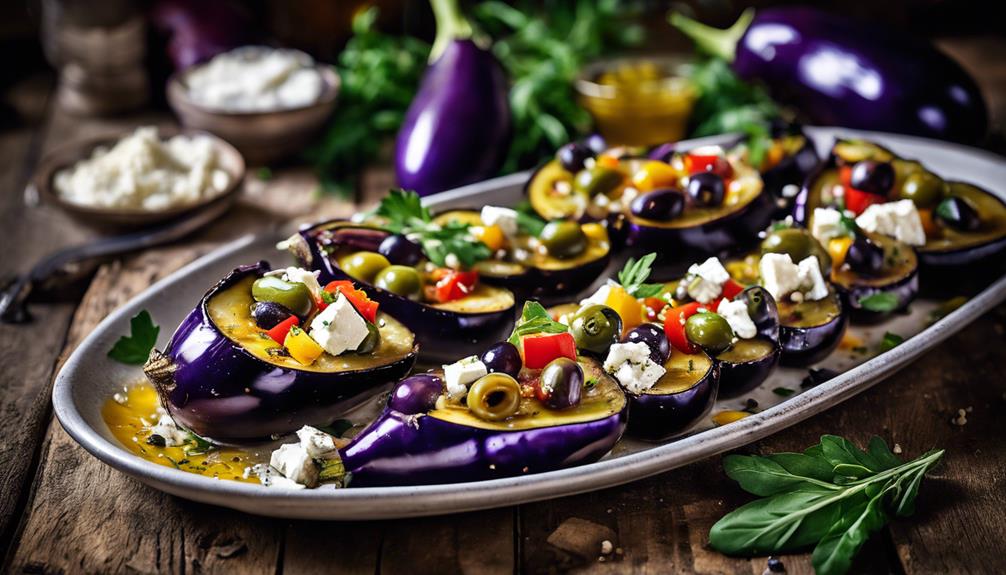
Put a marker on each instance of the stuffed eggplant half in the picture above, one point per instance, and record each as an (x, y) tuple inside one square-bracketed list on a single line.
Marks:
[(949, 224), (420, 272), (532, 257), (706, 200), (266, 352)]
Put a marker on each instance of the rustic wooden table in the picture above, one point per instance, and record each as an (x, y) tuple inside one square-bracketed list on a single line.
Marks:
[(62, 511)]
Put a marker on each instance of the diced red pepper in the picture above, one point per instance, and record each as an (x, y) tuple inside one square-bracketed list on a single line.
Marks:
[(357, 297), (856, 200), (279, 331), (674, 326), (456, 285), (695, 163), (540, 350), (654, 305), (731, 288)]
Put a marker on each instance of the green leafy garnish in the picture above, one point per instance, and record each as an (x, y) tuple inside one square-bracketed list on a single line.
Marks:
[(833, 495), (880, 302), (528, 221), (890, 341), (196, 445), (783, 391), (634, 274), (134, 349), (405, 214), (535, 319)]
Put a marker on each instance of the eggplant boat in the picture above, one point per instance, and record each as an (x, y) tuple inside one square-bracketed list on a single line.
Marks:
[(266, 352), (950, 224), (418, 271), (705, 200), (532, 257)]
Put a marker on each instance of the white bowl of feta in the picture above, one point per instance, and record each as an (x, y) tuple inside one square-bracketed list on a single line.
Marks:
[(142, 177), (267, 102)]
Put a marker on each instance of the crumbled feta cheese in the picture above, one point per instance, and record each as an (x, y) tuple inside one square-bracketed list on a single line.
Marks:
[(308, 278), (317, 443), (705, 280), (632, 366), (505, 218), (736, 314), (339, 327), (827, 224), (169, 430), (811, 279), (779, 275), (295, 463), (268, 476), (601, 295), (900, 220), (462, 373)]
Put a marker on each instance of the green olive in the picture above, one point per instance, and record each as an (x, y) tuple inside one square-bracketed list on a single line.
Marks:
[(363, 266), (494, 397), (595, 327), (294, 296), (710, 331), (926, 189), (597, 180), (401, 280), (799, 244), (373, 339), (563, 239)]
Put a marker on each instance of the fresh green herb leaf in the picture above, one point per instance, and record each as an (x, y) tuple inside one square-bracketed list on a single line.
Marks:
[(404, 213), (535, 319), (634, 275), (327, 297), (134, 349), (264, 173), (528, 220), (196, 445), (591, 382), (833, 495), (880, 302), (783, 391), (890, 341), (403, 210)]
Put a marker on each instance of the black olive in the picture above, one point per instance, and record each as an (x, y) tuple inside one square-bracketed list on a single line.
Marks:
[(958, 214), (865, 256), (654, 338), (872, 177), (400, 250), (706, 189), (503, 358), (660, 205), (268, 314), (595, 143), (573, 155), (762, 310)]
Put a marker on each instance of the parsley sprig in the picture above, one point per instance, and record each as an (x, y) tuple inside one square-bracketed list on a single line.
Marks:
[(534, 318), (134, 349), (634, 275), (405, 214)]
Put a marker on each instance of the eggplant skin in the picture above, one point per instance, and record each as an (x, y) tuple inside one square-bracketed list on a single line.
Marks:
[(802, 346), (905, 289), (220, 391), (739, 378), (790, 171), (399, 449), (458, 127), (656, 417), (842, 72)]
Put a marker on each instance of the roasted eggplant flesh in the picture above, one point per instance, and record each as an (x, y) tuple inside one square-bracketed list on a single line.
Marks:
[(809, 314), (229, 310), (898, 263), (747, 351), (684, 371), (746, 364)]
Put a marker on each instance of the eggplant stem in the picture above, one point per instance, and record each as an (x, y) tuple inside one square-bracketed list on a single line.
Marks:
[(451, 25), (714, 41)]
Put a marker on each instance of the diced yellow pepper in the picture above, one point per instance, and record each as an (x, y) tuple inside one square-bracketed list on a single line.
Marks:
[(608, 161), (850, 341), (492, 236), (837, 248), (729, 416), (653, 175), (302, 347), (595, 231), (627, 307)]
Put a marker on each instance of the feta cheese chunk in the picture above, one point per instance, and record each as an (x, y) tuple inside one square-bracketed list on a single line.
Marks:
[(295, 463), (308, 278), (736, 314), (169, 430), (268, 476), (827, 225), (779, 275), (339, 327), (462, 373), (600, 296), (811, 280), (900, 220), (317, 443), (632, 366), (505, 218), (706, 280)]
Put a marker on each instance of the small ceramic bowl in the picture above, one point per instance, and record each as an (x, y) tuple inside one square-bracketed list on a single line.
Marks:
[(263, 137), (66, 156)]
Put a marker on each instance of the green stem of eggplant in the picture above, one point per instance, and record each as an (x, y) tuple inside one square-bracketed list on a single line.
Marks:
[(714, 41), (451, 25)]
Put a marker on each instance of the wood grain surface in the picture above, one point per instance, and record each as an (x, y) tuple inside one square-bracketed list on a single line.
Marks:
[(62, 511)]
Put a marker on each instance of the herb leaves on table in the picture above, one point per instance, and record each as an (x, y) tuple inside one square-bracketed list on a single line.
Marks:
[(833, 495), (134, 349)]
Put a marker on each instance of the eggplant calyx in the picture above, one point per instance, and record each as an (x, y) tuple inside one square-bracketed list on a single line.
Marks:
[(714, 41), (160, 370), (451, 25)]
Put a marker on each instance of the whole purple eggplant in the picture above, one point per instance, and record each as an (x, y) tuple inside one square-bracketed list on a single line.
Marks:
[(842, 72), (457, 128)]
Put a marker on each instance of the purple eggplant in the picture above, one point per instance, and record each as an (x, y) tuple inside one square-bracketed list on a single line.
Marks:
[(897, 275), (457, 128), (809, 331), (448, 444), (226, 384), (444, 331), (416, 394), (843, 72), (682, 397), (746, 365)]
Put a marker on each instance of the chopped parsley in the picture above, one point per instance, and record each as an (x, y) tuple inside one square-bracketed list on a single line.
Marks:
[(405, 214), (134, 349)]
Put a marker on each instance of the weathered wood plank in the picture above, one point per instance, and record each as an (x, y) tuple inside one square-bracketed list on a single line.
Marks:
[(470, 543)]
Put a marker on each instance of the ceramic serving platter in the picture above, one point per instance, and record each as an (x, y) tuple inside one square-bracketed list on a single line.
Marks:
[(89, 377)]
